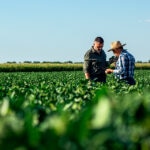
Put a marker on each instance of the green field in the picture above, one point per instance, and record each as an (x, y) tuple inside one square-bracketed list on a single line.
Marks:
[(63, 111)]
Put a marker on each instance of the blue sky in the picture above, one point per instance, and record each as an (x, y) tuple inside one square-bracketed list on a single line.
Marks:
[(62, 30)]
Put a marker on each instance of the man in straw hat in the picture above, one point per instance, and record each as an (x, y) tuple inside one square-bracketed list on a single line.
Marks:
[(124, 69)]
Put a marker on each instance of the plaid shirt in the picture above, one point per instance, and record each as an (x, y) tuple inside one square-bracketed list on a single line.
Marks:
[(125, 65)]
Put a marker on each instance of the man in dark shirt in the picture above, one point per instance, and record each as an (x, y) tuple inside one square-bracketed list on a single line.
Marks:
[(95, 61)]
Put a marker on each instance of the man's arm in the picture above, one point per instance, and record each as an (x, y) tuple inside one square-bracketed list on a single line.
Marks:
[(86, 66), (87, 75), (121, 68)]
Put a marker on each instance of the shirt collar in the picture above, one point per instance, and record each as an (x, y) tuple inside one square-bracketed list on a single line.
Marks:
[(124, 50)]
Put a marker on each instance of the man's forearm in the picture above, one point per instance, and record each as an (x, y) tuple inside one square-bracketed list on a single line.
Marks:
[(87, 75)]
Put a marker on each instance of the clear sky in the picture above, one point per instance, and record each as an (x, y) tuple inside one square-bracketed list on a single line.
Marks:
[(63, 30)]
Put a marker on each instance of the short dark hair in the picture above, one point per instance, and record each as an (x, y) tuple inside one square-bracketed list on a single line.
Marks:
[(99, 39)]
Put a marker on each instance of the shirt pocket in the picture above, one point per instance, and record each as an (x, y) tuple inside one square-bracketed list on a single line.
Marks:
[(97, 66)]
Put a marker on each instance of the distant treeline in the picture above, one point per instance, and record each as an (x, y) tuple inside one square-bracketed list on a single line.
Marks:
[(43, 67), (37, 62), (57, 62)]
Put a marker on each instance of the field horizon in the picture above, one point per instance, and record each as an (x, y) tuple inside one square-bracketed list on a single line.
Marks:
[(37, 67)]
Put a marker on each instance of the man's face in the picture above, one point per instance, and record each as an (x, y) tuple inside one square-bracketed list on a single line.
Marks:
[(117, 52), (98, 45)]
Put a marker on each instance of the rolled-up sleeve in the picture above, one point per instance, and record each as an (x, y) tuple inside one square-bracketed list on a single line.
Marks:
[(121, 66)]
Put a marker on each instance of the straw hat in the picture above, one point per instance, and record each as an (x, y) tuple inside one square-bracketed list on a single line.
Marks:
[(115, 45)]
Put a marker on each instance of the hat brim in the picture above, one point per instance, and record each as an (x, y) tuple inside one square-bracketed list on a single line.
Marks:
[(117, 47)]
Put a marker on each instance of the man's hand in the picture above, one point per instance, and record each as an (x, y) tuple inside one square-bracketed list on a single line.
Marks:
[(108, 71)]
